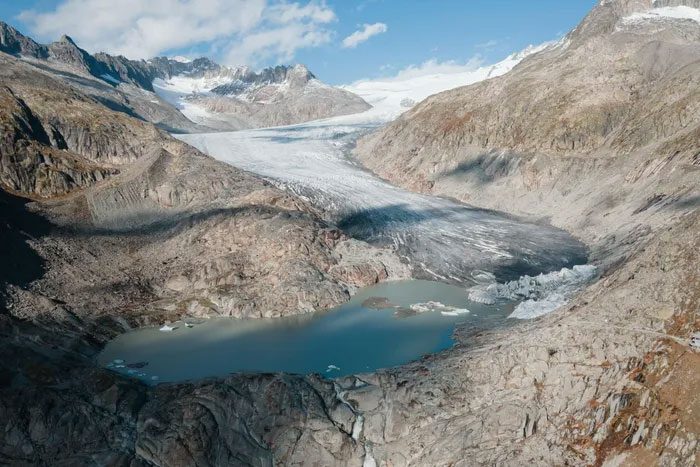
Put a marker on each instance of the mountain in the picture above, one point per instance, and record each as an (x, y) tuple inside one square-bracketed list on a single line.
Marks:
[(211, 95), (108, 223), (235, 98), (599, 135)]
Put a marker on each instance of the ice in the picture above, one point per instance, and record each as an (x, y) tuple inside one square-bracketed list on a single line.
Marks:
[(442, 239), (332, 368), (445, 310), (392, 96), (167, 328), (695, 340), (540, 294)]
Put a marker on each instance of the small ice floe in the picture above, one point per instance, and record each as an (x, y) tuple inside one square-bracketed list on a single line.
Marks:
[(455, 312), (167, 328), (189, 325), (117, 361), (154, 378), (332, 368), (695, 340), (445, 310)]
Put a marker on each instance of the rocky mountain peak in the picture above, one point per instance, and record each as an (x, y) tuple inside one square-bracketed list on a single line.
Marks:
[(66, 39), (15, 43)]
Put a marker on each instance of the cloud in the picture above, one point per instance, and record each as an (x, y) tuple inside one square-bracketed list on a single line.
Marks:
[(434, 67), (247, 31), (362, 35), (488, 44)]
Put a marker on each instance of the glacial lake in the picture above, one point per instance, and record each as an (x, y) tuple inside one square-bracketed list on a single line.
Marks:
[(381, 327)]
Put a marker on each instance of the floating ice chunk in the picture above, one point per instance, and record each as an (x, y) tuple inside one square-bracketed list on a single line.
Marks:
[(167, 328), (154, 378), (332, 368), (455, 312), (445, 310), (117, 361)]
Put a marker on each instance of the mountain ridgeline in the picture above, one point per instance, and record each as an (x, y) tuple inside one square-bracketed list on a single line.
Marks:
[(119, 69), (305, 97)]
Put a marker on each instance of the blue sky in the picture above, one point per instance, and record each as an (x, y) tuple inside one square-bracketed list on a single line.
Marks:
[(399, 33)]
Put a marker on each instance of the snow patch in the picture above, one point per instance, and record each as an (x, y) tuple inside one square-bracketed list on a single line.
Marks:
[(539, 294), (673, 12), (181, 59), (110, 78)]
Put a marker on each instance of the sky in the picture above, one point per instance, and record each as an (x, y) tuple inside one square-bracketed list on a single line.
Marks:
[(341, 41)]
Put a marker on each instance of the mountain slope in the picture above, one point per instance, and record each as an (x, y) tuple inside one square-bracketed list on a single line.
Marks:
[(605, 123)]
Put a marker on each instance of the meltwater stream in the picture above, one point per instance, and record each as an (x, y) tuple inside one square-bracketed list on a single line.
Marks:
[(443, 240)]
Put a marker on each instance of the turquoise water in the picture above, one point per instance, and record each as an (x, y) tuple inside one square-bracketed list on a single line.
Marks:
[(376, 329)]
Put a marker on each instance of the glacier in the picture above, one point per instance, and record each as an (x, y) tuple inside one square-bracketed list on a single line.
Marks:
[(442, 239)]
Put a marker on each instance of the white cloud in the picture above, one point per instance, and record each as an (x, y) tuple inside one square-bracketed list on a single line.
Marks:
[(247, 31), (362, 35), (488, 44), (434, 67)]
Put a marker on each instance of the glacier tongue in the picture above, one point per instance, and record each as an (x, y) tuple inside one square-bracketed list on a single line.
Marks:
[(540, 294)]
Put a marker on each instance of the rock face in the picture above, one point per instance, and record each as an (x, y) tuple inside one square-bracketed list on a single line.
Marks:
[(599, 134)]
